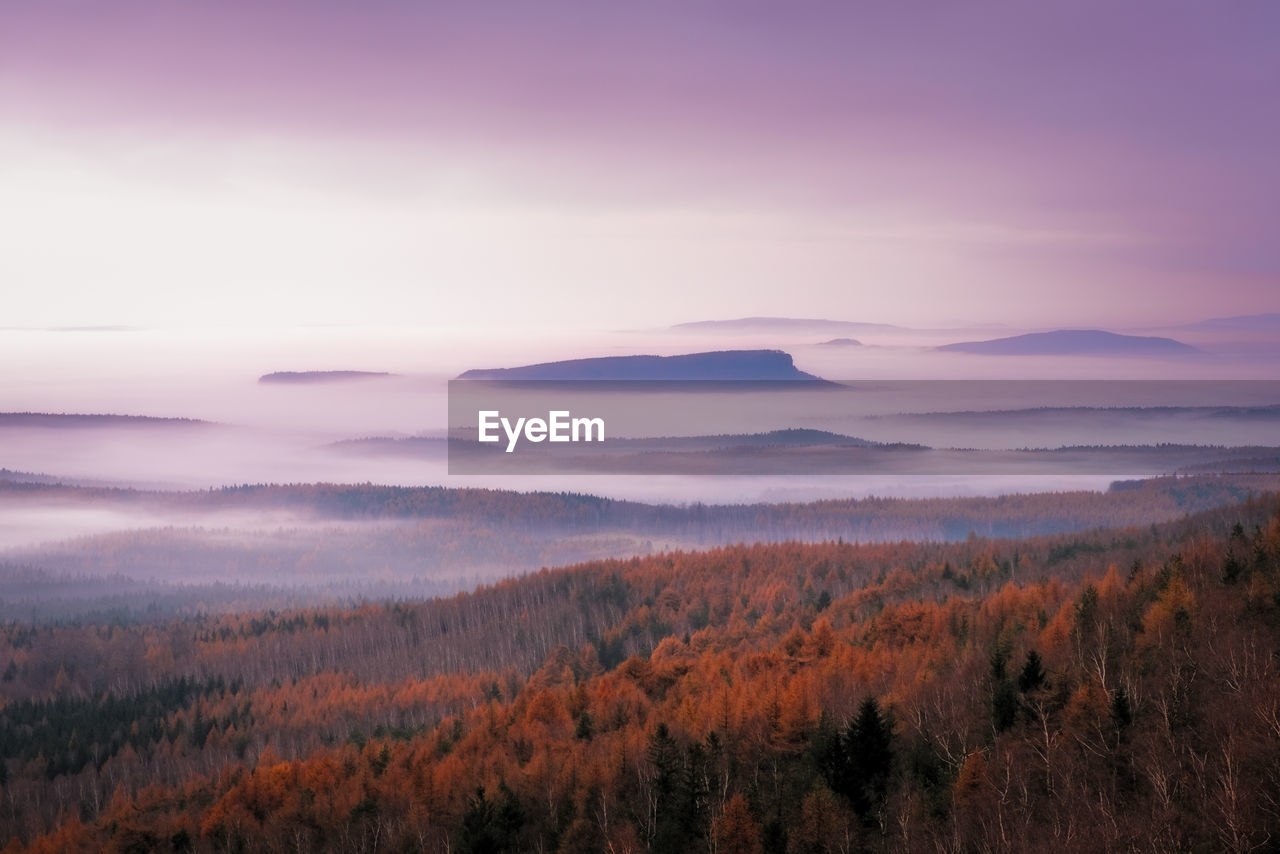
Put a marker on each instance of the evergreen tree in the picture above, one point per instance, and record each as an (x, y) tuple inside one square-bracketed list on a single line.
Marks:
[(1004, 697), (869, 752), (827, 752), (491, 826), (1032, 675), (1004, 705), (675, 791), (585, 728), (1121, 710), (999, 662), (478, 834)]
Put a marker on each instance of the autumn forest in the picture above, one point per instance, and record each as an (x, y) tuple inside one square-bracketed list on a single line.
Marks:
[(1110, 688), (579, 427)]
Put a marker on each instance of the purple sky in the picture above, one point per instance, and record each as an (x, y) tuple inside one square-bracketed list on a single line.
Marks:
[(621, 164)]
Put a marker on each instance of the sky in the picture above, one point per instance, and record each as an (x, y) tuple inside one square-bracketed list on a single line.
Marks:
[(620, 165)]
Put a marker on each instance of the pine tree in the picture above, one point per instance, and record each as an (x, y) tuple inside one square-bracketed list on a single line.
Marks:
[(491, 827), (1121, 710), (585, 728), (674, 794), (1032, 675), (869, 752), (827, 753), (1004, 705)]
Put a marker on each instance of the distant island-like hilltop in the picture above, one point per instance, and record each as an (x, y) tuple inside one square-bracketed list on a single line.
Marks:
[(1241, 323), (1074, 342), (783, 325), (320, 376), (749, 365)]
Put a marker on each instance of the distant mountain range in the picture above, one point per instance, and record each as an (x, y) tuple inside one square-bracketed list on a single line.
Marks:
[(1264, 413), (737, 365), (405, 446), (1074, 342), (786, 325), (65, 420), (1241, 323), (1256, 323), (425, 447), (300, 377), (841, 342)]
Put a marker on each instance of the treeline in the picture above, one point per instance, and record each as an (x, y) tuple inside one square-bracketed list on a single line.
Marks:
[(187, 569), (40, 596), (313, 545), (1012, 515), (973, 696)]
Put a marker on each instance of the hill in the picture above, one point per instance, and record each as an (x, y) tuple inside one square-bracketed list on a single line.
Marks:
[(1111, 690), (1240, 323), (732, 365), (506, 511), (63, 420), (1073, 342)]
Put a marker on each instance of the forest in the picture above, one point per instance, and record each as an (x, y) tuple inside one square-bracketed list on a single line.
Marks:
[(928, 353), (1108, 689), (316, 545)]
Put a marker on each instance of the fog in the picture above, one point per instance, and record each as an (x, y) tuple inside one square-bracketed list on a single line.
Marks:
[(252, 432), (286, 433)]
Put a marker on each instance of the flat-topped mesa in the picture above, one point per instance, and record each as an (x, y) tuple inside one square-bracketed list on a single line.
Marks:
[(735, 365)]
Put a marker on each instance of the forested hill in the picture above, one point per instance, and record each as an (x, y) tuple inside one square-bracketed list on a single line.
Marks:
[(718, 366), (1112, 690), (1025, 514)]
